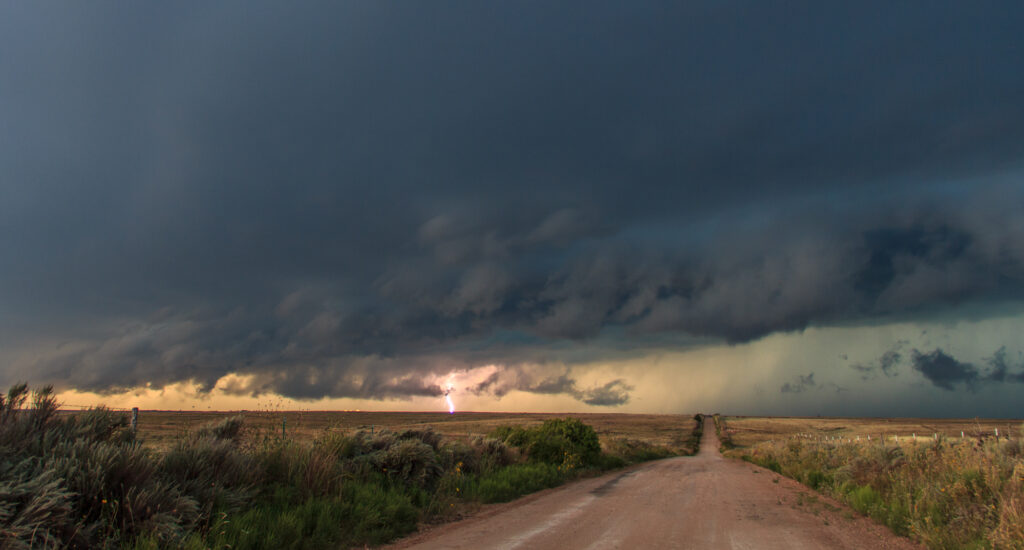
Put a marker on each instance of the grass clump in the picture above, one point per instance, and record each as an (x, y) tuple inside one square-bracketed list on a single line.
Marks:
[(79, 482), (944, 493)]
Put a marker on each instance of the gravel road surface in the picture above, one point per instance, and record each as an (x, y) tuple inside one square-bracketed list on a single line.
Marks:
[(703, 501)]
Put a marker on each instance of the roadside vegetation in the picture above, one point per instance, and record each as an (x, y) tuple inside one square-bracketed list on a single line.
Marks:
[(86, 481), (944, 492), (723, 433)]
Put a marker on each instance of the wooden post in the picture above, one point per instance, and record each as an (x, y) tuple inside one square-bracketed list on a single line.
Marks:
[(135, 419), (284, 422)]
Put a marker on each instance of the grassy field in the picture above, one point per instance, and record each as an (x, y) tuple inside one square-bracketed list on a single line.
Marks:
[(288, 480), (161, 429), (944, 489), (747, 431)]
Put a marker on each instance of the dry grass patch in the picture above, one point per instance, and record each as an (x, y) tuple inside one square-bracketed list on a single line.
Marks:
[(947, 492), (747, 431), (161, 429)]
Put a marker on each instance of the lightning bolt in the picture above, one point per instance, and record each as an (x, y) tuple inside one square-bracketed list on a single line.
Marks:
[(448, 398)]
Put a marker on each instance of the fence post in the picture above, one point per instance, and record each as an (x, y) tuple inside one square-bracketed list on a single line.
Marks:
[(135, 419), (284, 422)]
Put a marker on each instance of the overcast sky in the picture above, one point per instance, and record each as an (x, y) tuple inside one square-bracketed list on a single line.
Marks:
[(608, 206)]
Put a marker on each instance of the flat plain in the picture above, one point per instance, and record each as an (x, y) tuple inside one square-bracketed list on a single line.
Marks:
[(747, 504), (161, 428), (747, 431)]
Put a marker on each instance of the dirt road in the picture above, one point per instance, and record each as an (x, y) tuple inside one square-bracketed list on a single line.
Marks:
[(704, 501)]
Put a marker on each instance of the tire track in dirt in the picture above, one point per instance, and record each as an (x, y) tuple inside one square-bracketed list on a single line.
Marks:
[(703, 501)]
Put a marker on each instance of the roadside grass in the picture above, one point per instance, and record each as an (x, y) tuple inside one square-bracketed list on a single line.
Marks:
[(946, 493), (724, 433), (746, 431), (85, 481), (510, 482)]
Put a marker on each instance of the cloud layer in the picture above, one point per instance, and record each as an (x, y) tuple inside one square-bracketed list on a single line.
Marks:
[(350, 201)]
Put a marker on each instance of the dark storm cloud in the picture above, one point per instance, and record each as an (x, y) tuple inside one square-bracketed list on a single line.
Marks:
[(340, 199), (887, 364), (499, 384), (889, 361), (946, 372), (802, 382), (867, 372), (943, 370), (613, 393), (999, 368)]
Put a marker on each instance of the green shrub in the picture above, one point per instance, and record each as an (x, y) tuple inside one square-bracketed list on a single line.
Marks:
[(426, 436), (492, 453), (409, 461), (456, 454), (864, 499), (814, 479), (565, 441)]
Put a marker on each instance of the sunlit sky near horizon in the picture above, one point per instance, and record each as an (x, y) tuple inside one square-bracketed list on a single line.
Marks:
[(574, 206)]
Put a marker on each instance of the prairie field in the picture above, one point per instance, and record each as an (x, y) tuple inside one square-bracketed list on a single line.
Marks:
[(280, 479), (747, 431), (945, 483), (161, 429)]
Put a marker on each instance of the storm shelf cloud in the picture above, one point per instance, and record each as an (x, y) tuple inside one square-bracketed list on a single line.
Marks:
[(354, 200)]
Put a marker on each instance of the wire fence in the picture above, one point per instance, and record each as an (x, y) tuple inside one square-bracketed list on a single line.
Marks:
[(72, 408)]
